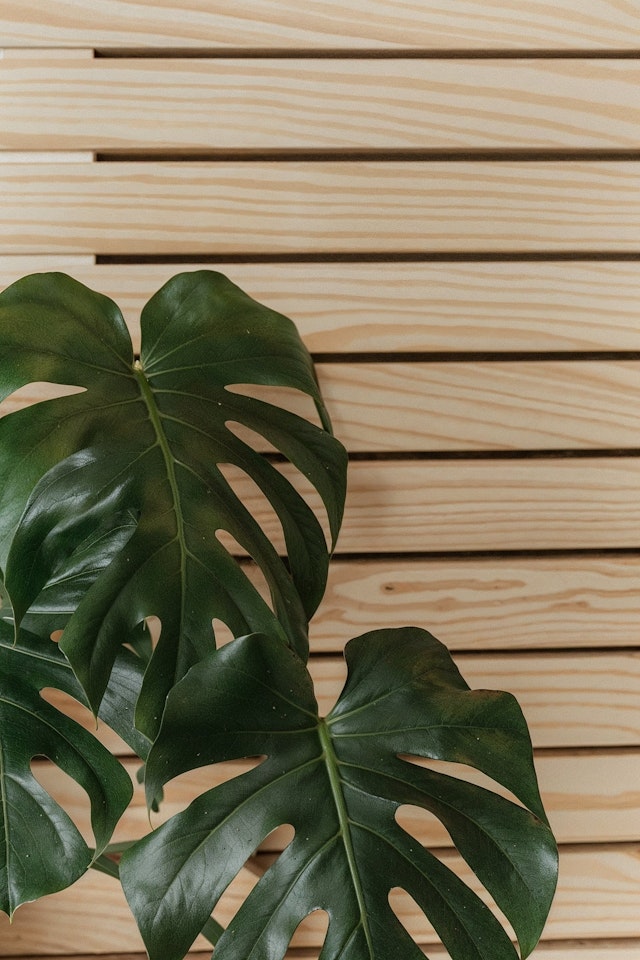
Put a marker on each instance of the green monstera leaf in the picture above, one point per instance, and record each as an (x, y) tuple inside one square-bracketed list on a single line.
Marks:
[(148, 440), (339, 782), (41, 850)]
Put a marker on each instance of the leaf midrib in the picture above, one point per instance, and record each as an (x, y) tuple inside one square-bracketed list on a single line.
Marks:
[(169, 461), (331, 763)]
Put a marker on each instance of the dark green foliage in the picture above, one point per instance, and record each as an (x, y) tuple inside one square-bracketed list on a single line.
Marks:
[(339, 782), (111, 500)]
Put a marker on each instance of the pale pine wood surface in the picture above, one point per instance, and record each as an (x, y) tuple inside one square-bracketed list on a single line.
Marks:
[(597, 898), (403, 307), (589, 798), (472, 406), (305, 104), (567, 950), (558, 628), (486, 603), (285, 24), (319, 207), (459, 505), (569, 700)]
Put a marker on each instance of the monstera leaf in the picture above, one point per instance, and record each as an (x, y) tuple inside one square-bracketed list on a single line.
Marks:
[(339, 782), (146, 440), (41, 850)]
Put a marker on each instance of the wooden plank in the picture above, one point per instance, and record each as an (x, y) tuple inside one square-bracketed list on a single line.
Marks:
[(578, 699), (425, 407), (589, 797), (597, 899), (135, 208), (482, 406), (562, 950), (492, 603), (317, 104), (402, 307), (363, 24), (542, 503)]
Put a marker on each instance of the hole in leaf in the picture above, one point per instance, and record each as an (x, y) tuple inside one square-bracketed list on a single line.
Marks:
[(412, 918), (222, 632), (251, 437), (154, 626), (250, 494), (36, 392), (278, 839), (83, 716), (235, 895), (312, 931), (463, 771), (183, 789), (287, 398), (423, 826), (456, 863), (56, 636), (66, 792)]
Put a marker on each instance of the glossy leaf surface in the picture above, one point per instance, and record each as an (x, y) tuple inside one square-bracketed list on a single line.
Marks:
[(147, 440), (339, 782), (41, 850)]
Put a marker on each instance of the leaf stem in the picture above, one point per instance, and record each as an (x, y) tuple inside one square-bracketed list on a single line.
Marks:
[(104, 864)]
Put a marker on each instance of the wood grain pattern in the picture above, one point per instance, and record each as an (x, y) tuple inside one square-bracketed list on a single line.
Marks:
[(306, 104), (402, 307), (491, 603), (597, 898), (135, 208), (624, 949), (567, 950), (363, 24), (589, 798), (531, 504), (475, 406), (579, 699)]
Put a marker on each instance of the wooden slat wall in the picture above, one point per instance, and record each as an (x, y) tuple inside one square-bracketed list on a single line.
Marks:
[(445, 199)]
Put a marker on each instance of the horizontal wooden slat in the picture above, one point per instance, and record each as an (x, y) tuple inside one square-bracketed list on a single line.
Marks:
[(376, 24), (133, 208), (597, 898), (531, 504), (569, 699), (482, 406), (317, 104), (487, 603), (423, 407), (565, 950), (400, 307), (592, 797)]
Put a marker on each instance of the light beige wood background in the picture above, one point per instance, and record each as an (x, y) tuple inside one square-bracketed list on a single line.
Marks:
[(445, 199)]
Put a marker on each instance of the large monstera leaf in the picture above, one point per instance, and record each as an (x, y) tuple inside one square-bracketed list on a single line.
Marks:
[(339, 782), (41, 850), (148, 439)]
